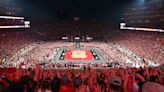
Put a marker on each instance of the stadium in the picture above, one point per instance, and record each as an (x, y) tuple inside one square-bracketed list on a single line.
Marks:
[(81, 46)]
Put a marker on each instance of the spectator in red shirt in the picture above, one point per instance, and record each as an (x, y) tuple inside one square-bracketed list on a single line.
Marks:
[(66, 85)]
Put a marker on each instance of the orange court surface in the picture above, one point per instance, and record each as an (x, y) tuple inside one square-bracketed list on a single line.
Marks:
[(79, 55)]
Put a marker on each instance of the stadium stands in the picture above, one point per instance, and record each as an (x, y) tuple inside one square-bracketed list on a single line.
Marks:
[(145, 44), (127, 53), (147, 15), (134, 59)]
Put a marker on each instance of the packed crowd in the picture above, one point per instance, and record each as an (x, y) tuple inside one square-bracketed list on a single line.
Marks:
[(12, 41), (41, 53), (117, 54), (44, 54), (145, 44), (125, 79), (85, 80)]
